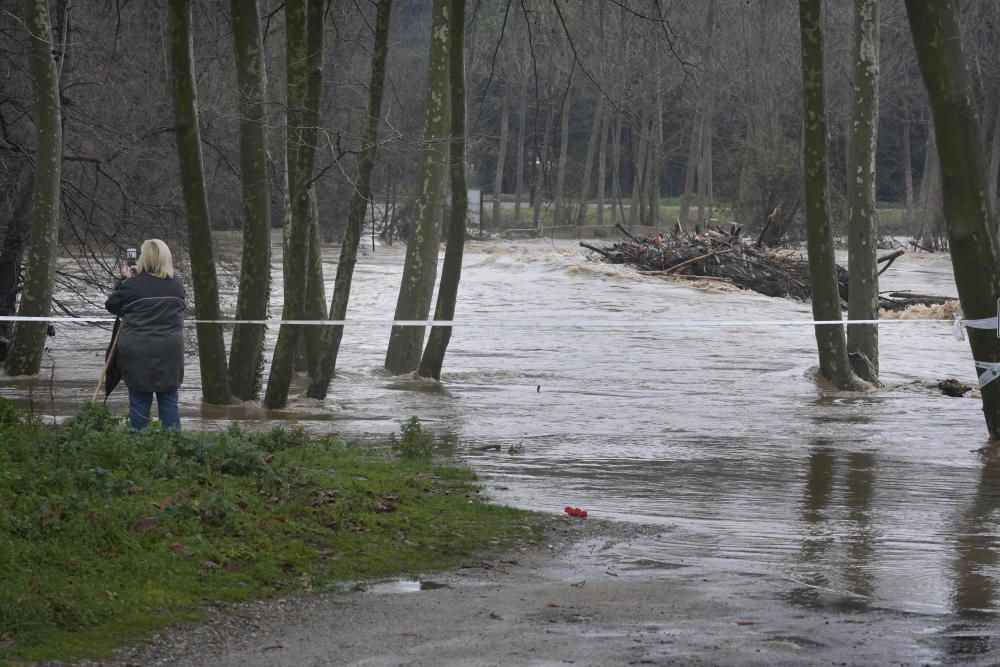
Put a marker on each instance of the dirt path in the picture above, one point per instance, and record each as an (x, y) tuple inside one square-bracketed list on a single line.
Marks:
[(562, 603)]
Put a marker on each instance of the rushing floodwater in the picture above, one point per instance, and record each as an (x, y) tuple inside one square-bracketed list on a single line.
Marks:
[(851, 501)]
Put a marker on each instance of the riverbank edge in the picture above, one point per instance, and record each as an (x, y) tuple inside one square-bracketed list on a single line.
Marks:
[(395, 510)]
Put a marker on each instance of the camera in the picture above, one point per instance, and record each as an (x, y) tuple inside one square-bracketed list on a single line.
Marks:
[(131, 256)]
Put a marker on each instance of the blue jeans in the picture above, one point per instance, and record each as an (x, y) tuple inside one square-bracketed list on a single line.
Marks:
[(140, 405)]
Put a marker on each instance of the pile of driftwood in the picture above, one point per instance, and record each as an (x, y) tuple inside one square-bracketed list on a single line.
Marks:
[(726, 256)]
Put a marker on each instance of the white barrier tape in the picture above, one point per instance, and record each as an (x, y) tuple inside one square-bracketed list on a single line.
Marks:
[(984, 323), (990, 372), (507, 323)]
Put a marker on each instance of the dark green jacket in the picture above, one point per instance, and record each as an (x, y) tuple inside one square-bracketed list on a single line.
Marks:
[(151, 344)]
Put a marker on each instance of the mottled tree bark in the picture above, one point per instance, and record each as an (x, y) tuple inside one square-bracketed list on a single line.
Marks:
[(975, 255), (691, 171), (359, 200), (542, 175), (246, 356), (830, 338), (451, 270), (15, 240), (211, 346), (24, 356), (993, 166), (862, 304), (420, 267), (300, 125)]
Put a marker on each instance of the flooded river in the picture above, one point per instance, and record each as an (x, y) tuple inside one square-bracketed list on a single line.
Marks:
[(834, 502)]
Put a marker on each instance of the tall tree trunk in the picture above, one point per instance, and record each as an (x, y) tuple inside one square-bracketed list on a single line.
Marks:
[(602, 166), (993, 167), (315, 306), (638, 163), (246, 357), (862, 304), (24, 356), (522, 139), (211, 346), (690, 172), (420, 267), (560, 217), (907, 163), (359, 199), (618, 208), (303, 35), (451, 270), (501, 156), (596, 133), (11, 253), (975, 255), (542, 175), (707, 166), (830, 338), (656, 157)]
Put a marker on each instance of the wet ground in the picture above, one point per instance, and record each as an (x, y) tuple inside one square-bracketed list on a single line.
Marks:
[(769, 493)]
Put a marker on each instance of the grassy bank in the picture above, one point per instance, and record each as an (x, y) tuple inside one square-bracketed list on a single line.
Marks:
[(106, 535)]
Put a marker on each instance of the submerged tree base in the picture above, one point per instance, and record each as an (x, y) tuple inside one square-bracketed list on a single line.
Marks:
[(110, 534)]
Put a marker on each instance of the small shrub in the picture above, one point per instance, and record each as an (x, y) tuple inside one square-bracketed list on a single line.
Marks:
[(412, 442)]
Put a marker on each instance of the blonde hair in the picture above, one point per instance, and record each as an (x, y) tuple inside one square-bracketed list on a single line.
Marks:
[(155, 259)]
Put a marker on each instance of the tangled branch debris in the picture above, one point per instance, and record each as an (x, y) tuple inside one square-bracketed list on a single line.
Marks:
[(726, 256)]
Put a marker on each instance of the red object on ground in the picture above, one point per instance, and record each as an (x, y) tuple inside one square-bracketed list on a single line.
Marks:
[(575, 511)]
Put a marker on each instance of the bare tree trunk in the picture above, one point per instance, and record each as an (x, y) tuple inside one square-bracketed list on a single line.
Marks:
[(246, 357), (542, 175), (638, 163), (690, 172), (451, 270), (656, 158), (862, 303), (420, 268), (616, 168), (362, 194), (596, 132), (907, 163), (11, 253), (522, 138), (602, 165), (501, 156), (211, 346), (304, 19), (708, 168), (975, 255), (830, 338), (993, 167), (24, 356), (560, 217)]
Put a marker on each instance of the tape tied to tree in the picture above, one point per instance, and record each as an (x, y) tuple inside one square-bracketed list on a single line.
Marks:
[(984, 323), (990, 371)]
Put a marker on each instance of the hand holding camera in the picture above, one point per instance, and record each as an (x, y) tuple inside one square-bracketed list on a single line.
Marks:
[(128, 269)]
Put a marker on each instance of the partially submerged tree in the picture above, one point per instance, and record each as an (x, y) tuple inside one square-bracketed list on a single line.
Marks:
[(862, 302), (451, 271), (830, 338), (211, 346), (420, 267), (975, 255), (247, 354), (360, 199), (300, 135), (24, 356)]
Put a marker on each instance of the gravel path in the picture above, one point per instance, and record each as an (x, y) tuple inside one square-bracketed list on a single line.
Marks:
[(562, 603)]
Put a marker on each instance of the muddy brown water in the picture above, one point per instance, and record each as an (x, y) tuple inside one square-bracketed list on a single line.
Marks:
[(836, 502)]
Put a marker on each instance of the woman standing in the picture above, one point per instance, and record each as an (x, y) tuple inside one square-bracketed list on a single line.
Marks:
[(150, 302)]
